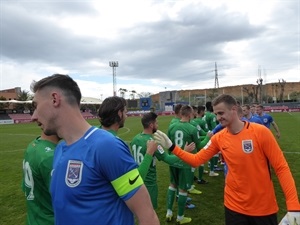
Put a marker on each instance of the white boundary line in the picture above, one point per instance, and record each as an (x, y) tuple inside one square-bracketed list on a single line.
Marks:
[(126, 132)]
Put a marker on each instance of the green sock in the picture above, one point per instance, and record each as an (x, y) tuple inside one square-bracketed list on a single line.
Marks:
[(216, 159), (212, 164), (181, 203), (200, 172), (170, 197)]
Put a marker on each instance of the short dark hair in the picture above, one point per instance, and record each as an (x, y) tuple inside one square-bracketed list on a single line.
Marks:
[(247, 106), (186, 110), (177, 108), (209, 107), (108, 110), (148, 118), (224, 98), (65, 83), (200, 108)]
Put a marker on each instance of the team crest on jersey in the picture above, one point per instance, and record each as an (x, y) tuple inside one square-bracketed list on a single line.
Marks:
[(265, 120), (247, 146), (74, 173)]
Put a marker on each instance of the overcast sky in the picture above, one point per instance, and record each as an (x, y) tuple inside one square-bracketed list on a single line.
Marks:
[(160, 45)]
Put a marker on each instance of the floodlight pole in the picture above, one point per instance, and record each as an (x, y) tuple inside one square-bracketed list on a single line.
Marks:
[(114, 64)]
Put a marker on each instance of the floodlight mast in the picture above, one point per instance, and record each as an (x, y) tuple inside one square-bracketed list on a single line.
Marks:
[(114, 64)]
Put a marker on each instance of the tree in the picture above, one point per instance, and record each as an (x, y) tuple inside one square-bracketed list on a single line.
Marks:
[(132, 94), (122, 92), (24, 96), (281, 84), (3, 105), (295, 96)]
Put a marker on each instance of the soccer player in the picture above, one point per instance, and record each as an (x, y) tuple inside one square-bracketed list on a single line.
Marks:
[(112, 116), (249, 199), (95, 178), (267, 119), (139, 146), (37, 167), (247, 115), (211, 121), (177, 117), (181, 133), (199, 123)]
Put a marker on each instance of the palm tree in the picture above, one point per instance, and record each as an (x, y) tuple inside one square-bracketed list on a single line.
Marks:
[(24, 96), (122, 92), (133, 93)]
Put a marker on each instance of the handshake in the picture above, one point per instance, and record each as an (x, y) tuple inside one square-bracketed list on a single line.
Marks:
[(162, 139)]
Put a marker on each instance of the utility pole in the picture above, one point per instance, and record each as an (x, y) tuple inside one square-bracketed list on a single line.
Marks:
[(259, 82), (216, 77), (114, 64)]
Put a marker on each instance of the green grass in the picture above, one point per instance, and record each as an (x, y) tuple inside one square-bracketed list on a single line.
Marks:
[(209, 205)]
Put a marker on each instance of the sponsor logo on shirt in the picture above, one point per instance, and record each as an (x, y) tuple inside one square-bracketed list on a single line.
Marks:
[(48, 149), (160, 149), (73, 173), (131, 182), (247, 146)]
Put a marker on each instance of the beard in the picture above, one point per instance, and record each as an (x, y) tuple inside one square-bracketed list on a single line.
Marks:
[(154, 130)]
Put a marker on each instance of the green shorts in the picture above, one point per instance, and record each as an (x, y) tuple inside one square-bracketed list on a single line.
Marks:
[(181, 177)]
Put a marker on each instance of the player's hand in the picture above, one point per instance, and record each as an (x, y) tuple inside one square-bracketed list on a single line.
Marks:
[(151, 147), (161, 138), (189, 147), (278, 135), (291, 218), (210, 134)]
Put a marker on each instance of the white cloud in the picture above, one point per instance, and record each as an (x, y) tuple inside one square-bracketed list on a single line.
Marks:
[(160, 45)]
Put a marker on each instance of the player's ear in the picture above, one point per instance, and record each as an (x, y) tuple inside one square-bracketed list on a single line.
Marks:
[(120, 115)]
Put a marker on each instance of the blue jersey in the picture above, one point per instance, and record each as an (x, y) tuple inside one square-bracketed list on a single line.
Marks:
[(217, 128), (92, 178), (253, 119), (266, 119)]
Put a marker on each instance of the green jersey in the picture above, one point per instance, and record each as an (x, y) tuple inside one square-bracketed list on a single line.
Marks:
[(210, 119), (37, 167), (139, 148), (175, 120), (200, 125), (183, 132)]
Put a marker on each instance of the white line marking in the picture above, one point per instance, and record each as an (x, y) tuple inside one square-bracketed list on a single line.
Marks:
[(126, 132)]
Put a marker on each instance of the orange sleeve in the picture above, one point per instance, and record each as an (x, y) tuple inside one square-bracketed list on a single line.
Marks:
[(200, 157), (282, 170)]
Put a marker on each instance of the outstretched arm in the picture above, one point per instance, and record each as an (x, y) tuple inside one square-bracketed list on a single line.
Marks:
[(193, 159)]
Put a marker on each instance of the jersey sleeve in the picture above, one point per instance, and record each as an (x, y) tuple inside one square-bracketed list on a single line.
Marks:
[(118, 165), (281, 168), (217, 129), (145, 165), (171, 160), (199, 158)]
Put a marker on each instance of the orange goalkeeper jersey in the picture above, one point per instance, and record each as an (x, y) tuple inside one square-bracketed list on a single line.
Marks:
[(249, 154)]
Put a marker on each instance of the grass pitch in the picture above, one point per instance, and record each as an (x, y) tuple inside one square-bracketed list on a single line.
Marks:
[(209, 205)]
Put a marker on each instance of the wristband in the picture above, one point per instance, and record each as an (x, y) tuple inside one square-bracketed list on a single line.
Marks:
[(172, 148)]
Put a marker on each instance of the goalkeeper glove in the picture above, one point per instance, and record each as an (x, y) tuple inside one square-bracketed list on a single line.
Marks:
[(291, 218), (162, 139)]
